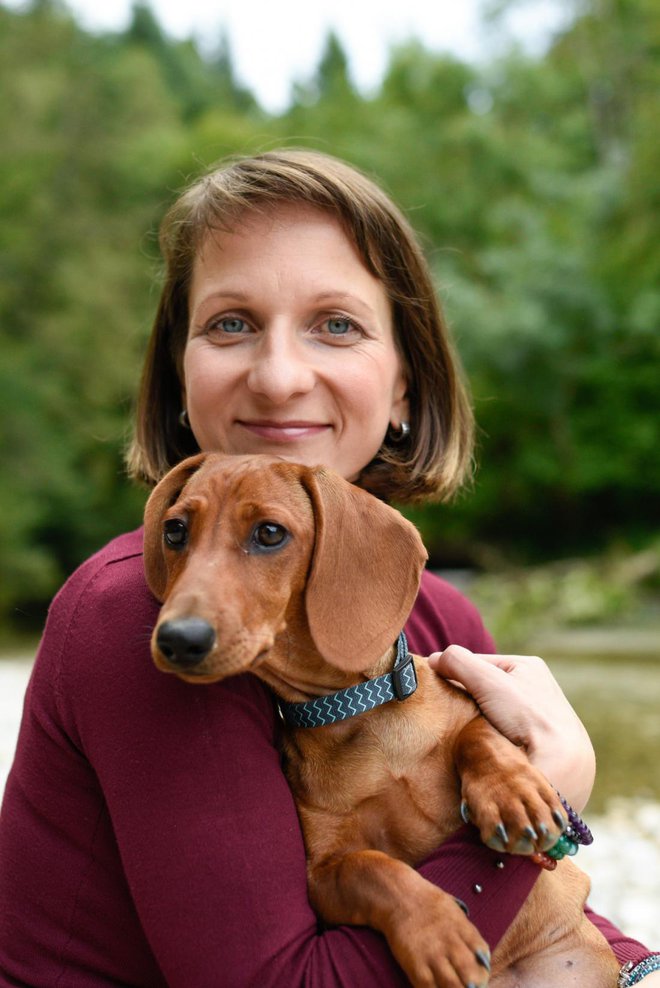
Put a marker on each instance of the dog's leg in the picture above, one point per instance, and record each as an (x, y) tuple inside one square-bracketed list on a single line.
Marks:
[(510, 801), (427, 931)]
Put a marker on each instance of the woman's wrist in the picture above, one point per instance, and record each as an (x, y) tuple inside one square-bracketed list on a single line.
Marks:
[(564, 753)]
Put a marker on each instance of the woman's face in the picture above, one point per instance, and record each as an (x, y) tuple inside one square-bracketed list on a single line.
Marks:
[(290, 347)]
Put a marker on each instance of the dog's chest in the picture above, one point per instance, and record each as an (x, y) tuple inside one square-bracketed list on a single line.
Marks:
[(387, 783)]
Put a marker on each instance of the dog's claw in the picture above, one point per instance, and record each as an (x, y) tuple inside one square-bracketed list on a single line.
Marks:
[(499, 841), (483, 959), (547, 840), (461, 905), (523, 846)]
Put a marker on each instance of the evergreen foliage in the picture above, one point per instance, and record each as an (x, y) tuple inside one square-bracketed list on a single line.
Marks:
[(534, 183)]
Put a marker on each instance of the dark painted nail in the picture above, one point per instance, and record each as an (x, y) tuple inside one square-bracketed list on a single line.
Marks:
[(531, 833), (559, 819), (547, 839), (465, 811), (461, 904), (500, 830), (483, 959)]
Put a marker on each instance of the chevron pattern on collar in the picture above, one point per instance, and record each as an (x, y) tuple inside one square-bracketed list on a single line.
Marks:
[(395, 685)]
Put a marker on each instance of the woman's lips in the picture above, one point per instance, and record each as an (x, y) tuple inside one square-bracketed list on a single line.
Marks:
[(283, 432)]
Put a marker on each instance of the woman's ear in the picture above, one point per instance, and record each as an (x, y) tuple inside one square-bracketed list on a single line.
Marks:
[(366, 567), (400, 411), (163, 495)]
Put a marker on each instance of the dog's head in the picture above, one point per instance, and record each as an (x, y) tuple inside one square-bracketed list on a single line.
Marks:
[(247, 551)]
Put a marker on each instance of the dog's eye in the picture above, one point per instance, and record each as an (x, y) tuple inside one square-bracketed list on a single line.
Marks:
[(269, 535), (175, 533)]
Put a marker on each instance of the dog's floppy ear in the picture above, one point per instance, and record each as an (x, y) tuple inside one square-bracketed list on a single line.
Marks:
[(365, 572), (163, 495)]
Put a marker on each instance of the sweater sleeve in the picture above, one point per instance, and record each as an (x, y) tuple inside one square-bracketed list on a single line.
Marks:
[(625, 948)]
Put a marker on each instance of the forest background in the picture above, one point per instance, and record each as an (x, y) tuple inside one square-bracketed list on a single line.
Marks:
[(534, 182)]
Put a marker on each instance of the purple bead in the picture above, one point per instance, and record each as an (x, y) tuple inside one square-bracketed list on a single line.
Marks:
[(580, 831)]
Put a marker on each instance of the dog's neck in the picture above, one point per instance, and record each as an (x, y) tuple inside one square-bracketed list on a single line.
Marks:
[(296, 671)]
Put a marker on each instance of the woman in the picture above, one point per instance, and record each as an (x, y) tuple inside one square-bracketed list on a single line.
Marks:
[(148, 836)]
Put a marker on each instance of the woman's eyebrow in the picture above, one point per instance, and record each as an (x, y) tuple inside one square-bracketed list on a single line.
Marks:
[(225, 293), (217, 296), (340, 295)]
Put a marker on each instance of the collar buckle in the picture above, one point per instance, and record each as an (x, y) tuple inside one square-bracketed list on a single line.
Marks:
[(404, 678)]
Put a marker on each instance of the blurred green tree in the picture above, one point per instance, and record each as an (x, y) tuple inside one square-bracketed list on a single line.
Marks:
[(533, 181)]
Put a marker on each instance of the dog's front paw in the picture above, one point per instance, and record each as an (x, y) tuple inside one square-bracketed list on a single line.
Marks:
[(438, 947), (518, 812)]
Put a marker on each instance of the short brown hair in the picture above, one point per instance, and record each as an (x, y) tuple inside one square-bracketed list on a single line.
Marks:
[(433, 461)]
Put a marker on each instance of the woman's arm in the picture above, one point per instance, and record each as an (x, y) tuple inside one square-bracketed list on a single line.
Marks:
[(521, 697)]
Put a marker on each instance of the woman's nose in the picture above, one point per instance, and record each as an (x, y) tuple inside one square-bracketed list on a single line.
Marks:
[(280, 369)]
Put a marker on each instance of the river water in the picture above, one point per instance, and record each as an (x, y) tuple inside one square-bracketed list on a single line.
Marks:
[(619, 703)]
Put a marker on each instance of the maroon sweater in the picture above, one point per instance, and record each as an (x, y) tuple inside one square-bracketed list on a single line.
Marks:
[(148, 836)]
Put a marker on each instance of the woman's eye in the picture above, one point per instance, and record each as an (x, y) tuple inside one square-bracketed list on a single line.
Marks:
[(269, 535), (175, 533), (338, 326), (231, 324)]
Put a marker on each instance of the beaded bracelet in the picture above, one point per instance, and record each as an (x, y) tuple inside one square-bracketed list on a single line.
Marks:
[(575, 833), (632, 975), (577, 829)]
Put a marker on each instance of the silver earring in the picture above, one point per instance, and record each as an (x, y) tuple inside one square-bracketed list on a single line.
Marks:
[(398, 435), (184, 421)]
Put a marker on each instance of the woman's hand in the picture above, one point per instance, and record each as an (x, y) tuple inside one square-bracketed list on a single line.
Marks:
[(522, 699), (651, 980)]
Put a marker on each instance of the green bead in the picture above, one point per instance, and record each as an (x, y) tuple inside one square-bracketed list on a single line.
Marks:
[(563, 847), (567, 845)]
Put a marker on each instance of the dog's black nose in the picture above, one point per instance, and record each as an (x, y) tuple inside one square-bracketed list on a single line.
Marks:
[(185, 642)]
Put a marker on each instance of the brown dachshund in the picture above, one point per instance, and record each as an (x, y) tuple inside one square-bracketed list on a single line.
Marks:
[(296, 575)]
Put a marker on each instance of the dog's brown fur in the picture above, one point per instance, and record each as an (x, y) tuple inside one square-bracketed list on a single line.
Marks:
[(378, 792)]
